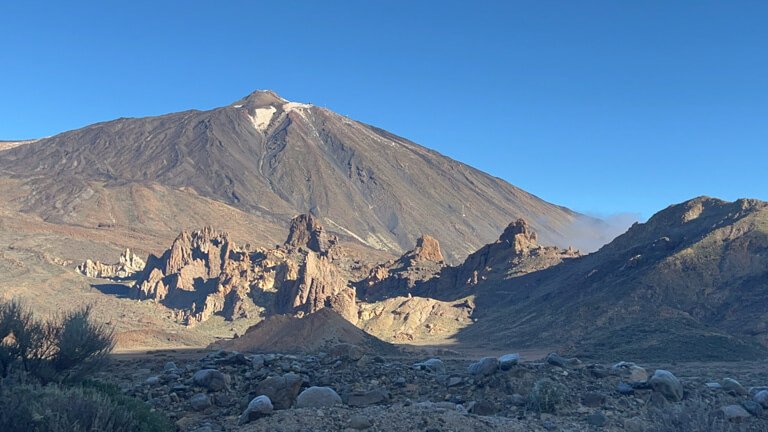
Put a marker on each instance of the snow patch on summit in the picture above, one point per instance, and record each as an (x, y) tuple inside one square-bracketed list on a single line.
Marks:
[(262, 117)]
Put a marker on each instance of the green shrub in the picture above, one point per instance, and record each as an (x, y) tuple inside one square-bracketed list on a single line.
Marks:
[(147, 420), (54, 408)]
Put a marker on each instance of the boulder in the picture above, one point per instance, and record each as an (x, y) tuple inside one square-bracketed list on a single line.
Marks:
[(667, 384), (508, 360), (630, 372), (282, 390), (317, 397), (484, 367), (200, 402), (211, 379), (734, 413), (433, 365), (556, 360), (347, 351), (761, 398), (258, 407), (733, 387)]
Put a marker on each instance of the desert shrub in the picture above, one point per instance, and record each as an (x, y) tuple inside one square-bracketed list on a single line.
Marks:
[(63, 349), (693, 415), (146, 419), (546, 396), (55, 408)]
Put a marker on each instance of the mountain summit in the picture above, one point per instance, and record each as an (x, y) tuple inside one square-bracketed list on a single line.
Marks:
[(274, 158)]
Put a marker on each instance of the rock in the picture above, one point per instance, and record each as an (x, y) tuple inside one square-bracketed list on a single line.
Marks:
[(733, 387), (433, 364), (200, 402), (258, 407), (153, 380), (484, 367), (753, 408), (307, 232), (427, 249), (555, 360), (598, 370), (734, 413), (667, 384), (128, 266), (508, 360), (483, 408), (346, 351), (211, 379), (170, 367), (593, 399), (317, 397), (713, 385), (360, 422), (360, 399), (761, 397), (281, 391), (630, 372), (547, 395), (597, 418), (454, 381), (625, 389)]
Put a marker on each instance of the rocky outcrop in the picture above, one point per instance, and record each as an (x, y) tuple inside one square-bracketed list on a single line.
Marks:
[(308, 283), (128, 266), (307, 232), (399, 277), (203, 273)]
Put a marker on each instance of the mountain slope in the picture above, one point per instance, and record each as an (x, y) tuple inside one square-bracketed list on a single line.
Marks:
[(692, 282), (274, 159)]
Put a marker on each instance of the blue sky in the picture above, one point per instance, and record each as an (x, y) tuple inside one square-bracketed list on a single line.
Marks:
[(602, 106)]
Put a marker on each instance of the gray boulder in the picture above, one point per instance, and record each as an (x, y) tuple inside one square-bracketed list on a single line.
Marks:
[(556, 360), (282, 390), (211, 379), (732, 386), (258, 407), (317, 397), (761, 397), (667, 384), (433, 364), (508, 360), (484, 367), (734, 413), (200, 402), (630, 372)]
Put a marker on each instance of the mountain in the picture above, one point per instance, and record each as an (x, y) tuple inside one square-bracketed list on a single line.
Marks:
[(691, 283), (271, 159)]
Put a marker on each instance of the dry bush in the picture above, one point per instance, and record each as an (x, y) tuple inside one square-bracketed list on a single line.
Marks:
[(63, 349)]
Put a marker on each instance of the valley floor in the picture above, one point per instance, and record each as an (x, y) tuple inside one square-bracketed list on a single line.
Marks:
[(394, 393)]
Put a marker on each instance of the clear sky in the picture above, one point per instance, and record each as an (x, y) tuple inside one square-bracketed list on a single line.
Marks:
[(603, 106)]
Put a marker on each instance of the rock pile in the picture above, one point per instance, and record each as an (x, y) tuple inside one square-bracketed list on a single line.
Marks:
[(333, 390)]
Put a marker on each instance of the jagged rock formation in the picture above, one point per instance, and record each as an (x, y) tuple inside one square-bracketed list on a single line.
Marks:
[(273, 158), (306, 231), (128, 266), (399, 277), (203, 273), (517, 251)]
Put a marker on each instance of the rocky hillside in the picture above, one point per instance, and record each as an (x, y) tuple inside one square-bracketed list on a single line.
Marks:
[(691, 282), (274, 159)]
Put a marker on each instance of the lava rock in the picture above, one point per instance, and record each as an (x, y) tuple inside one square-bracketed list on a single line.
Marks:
[(733, 387), (211, 379), (556, 360), (593, 399), (317, 397), (200, 402), (761, 397), (508, 360), (734, 413), (597, 418), (360, 399), (281, 391), (360, 422), (258, 407), (667, 384), (433, 364), (484, 367)]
